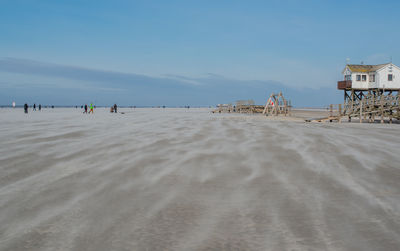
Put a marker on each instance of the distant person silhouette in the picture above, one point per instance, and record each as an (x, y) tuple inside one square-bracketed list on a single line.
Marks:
[(91, 108), (115, 108), (85, 109), (26, 108), (34, 107), (40, 107)]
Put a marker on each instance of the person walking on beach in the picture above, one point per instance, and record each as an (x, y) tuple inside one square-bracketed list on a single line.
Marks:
[(91, 108), (40, 107), (85, 111), (34, 107), (115, 108), (26, 108)]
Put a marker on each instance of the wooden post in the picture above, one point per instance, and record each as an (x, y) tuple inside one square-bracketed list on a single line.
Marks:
[(398, 104), (365, 107), (361, 107), (389, 106), (352, 97), (382, 95), (285, 106), (369, 107), (373, 105)]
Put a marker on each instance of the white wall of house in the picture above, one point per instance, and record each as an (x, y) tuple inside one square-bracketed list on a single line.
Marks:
[(383, 81), (381, 78), (360, 84), (372, 83)]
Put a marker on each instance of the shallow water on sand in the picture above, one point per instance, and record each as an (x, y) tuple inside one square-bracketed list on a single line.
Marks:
[(186, 179)]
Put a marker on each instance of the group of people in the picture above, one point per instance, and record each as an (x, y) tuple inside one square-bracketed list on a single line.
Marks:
[(86, 108), (113, 108), (26, 106)]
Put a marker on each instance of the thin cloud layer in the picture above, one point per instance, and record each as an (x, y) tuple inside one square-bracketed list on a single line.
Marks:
[(27, 80), (30, 67)]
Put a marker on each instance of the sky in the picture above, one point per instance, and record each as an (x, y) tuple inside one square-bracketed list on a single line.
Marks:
[(69, 52)]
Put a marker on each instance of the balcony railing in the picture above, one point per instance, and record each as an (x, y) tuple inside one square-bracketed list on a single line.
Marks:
[(342, 85)]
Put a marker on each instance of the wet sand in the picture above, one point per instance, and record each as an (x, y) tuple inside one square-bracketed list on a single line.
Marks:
[(179, 179)]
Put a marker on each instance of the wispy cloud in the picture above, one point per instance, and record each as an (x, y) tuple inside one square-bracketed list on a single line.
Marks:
[(37, 68), (76, 84)]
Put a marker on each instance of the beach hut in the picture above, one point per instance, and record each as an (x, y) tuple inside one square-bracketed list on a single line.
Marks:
[(371, 90), (365, 77)]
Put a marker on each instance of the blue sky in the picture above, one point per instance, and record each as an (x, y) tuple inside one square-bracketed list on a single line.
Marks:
[(185, 50)]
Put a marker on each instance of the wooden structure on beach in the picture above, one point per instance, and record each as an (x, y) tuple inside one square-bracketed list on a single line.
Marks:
[(370, 92), (224, 108), (277, 105), (241, 106), (246, 106), (335, 114)]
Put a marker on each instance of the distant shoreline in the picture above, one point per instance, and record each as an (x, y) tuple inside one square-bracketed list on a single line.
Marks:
[(183, 107)]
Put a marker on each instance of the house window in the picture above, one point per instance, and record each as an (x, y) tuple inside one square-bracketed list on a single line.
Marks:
[(364, 78), (347, 77), (372, 78), (358, 77), (390, 77)]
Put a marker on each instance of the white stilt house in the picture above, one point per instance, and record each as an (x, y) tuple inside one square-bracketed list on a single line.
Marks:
[(370, 91), (365, 77)]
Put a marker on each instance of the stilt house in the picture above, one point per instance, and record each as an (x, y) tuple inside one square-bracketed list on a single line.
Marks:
[(366, 77)]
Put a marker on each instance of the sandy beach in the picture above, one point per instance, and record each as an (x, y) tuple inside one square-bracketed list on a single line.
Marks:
[(186, 179)]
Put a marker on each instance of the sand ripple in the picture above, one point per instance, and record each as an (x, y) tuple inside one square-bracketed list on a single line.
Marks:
[(176, 179)]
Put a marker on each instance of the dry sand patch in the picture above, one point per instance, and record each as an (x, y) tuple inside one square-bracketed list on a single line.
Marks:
[(186, 179)]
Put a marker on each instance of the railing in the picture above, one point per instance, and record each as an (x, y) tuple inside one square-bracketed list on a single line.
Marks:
[(342, 85)]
